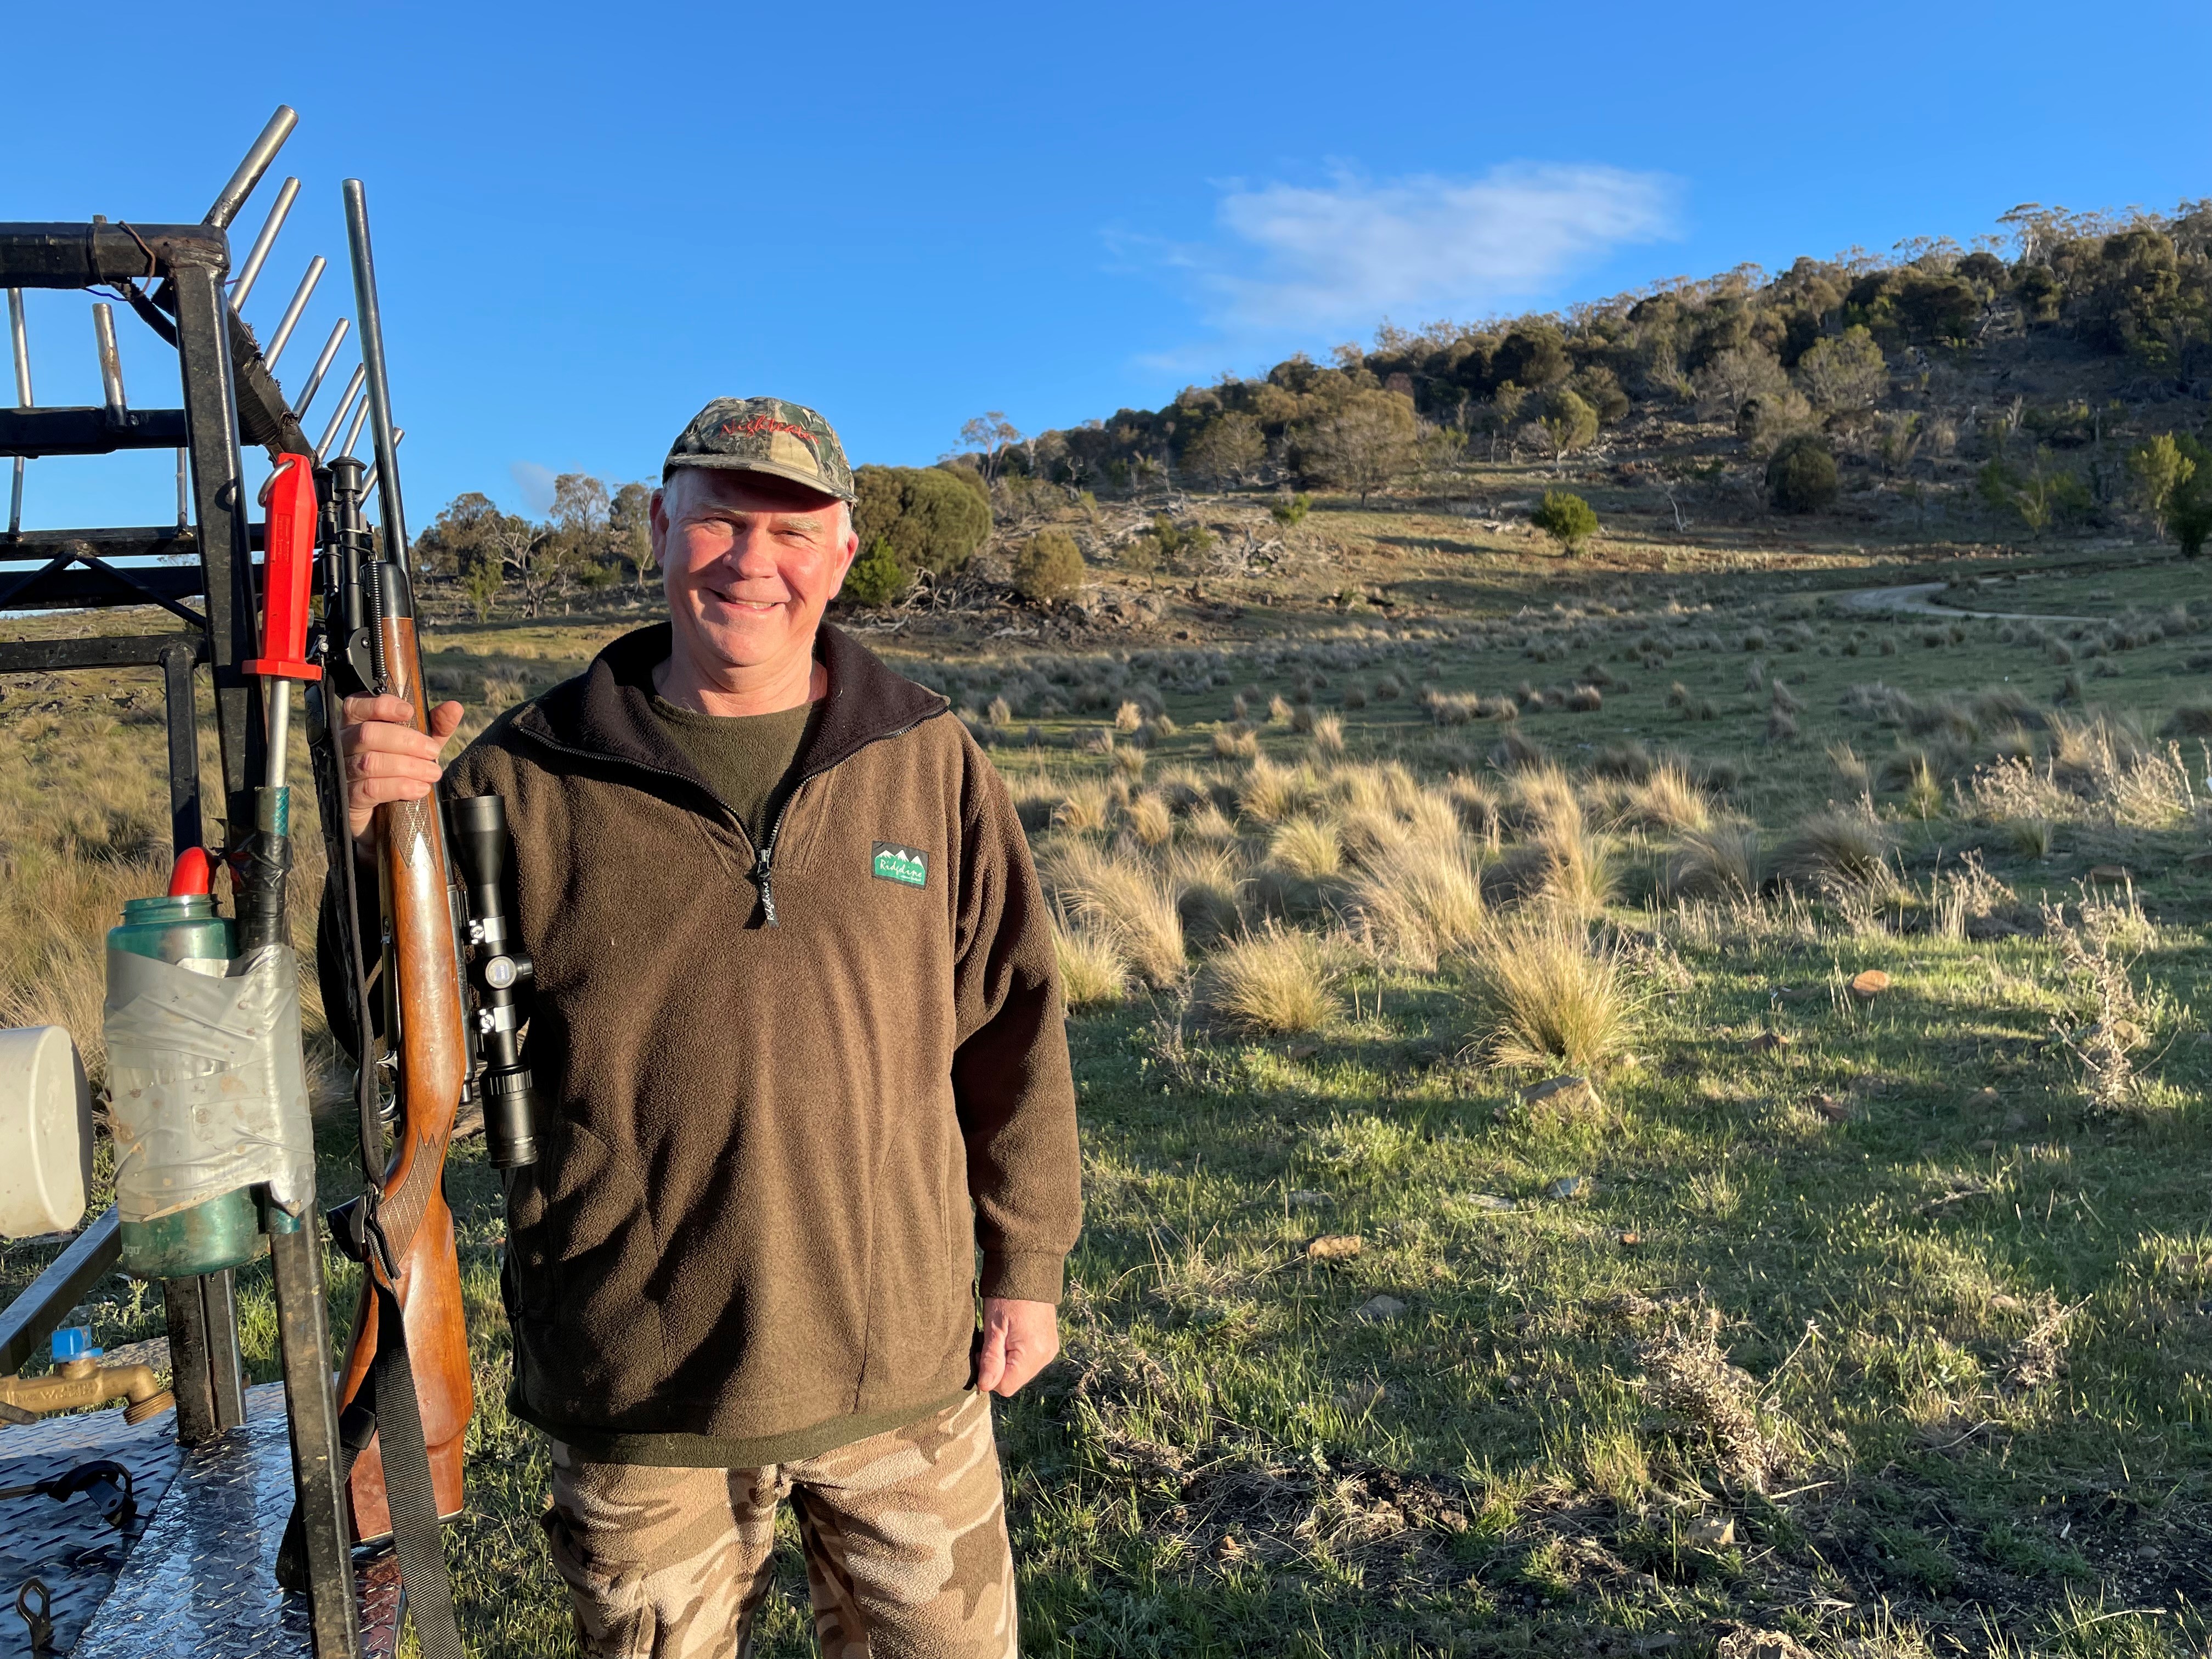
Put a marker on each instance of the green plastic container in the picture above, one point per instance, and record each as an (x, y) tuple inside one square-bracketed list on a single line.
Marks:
[(222, 1232)]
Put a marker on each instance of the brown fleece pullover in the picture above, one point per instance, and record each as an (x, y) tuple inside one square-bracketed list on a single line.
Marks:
[(786, 1091)]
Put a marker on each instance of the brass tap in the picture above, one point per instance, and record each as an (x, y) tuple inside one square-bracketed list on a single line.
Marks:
[(86, 1382)]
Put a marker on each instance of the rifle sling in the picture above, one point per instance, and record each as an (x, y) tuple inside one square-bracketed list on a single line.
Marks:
[(386, 1409)]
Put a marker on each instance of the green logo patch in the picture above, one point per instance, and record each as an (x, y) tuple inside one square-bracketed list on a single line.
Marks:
[(906, 865)]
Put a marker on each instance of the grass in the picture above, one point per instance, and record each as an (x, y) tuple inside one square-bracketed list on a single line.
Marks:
[(1914, 1302)]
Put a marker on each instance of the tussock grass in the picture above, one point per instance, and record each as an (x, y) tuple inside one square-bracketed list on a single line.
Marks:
[(1421, 900), (1308, 848), (1128, 902), (1542, 995), (1268, 792), (1717, 861), (1277, 982), (1834, 848), (1666, 799), (1091, 972)]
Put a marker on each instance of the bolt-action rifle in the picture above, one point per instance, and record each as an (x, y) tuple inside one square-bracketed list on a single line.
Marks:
[(416, 932)]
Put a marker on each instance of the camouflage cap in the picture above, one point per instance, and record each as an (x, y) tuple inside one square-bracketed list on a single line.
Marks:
[(765, 434)]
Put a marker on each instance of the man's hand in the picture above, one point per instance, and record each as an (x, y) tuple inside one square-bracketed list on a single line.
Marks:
[(1019, 1341), (386, 758)]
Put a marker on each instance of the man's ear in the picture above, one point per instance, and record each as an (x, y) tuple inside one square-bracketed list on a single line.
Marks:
[(852, 548)]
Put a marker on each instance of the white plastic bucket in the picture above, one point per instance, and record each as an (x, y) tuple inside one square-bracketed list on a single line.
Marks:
[(45, 1132)]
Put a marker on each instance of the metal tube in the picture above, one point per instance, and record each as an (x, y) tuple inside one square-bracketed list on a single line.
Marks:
[(111, 361), (184, 493), (250, 170), (322, 367), (338, 415), (20, 340), (393, 517), (291, 317), (250, 272), (368, 478), (353, 432)]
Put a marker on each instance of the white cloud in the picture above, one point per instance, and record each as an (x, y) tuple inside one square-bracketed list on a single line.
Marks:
[(535, 481), (1356, 251)]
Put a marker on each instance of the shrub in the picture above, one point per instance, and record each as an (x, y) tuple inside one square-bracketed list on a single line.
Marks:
[(1566, 518), (1275, 983), (932, 518), (1801, 476), (1293, 511), (1542, 996), (1049, 567), (875, 579)]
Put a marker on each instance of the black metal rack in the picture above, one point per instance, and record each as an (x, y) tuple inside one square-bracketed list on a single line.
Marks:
[(212, 597)]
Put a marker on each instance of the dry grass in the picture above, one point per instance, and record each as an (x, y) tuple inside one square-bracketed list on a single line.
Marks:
[(1308, 848), (1542, 995), (1128, 902), (1668, 799), (1719, 861), (1275, 983), (1422, 900), (1267, 792), (1149, 820), (1091, 972), (1835, 848)]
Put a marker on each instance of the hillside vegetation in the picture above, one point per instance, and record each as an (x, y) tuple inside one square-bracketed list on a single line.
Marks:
[(1644, 1087)]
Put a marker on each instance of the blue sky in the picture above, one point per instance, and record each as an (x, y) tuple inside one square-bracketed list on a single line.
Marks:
[(591, 220)]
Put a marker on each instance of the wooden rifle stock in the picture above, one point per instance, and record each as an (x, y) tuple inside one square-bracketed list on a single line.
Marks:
[(422, 971)]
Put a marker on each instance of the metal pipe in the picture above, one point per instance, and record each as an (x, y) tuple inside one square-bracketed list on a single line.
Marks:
[(21, 341), (233, 194), (393, 516), (250, 272), (111, 361), (18, 341), (353, 432), (322, 366), (291, 317), (368, 478), (184, 493), (339, 414)]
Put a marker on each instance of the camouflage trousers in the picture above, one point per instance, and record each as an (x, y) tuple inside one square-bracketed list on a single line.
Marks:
[(905, 1535)]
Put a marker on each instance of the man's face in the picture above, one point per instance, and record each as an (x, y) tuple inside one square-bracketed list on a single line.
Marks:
[(748, 563)]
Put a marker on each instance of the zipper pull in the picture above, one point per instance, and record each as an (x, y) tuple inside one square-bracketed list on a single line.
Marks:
[(761, 874)]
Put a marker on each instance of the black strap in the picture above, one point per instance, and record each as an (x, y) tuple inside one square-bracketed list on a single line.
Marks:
[(386, 1409)]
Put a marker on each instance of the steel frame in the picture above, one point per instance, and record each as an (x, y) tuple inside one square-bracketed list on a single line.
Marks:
[(73, 568)]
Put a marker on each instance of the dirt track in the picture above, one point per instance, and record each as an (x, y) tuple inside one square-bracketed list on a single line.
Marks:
[(1912, 598)]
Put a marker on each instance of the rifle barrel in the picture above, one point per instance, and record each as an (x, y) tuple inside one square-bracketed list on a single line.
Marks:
[(393, 516), (233, 194), (250, 272)]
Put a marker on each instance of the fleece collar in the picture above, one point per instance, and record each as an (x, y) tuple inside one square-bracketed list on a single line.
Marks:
[(607, 710)]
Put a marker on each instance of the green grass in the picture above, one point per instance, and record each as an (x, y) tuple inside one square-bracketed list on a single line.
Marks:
[(1965, 1316)]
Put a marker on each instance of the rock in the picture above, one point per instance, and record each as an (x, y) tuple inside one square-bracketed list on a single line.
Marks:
[(2015, 1122), (1560, 1094), (1711, 1532), (1833, 1109), (1762, 1644), (1629, 1240), (1985, 1146), (1302, 1050), (2196, 861), (1308, 1200), (1378, 1310), (1334, 1247), (1767, 1041), (1569, 1188), (1867, 986), (1489, 1202), (1985, 1099), (2108, 873)]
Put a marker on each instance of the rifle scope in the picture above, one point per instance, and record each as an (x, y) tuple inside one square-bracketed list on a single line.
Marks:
[(478, 826)]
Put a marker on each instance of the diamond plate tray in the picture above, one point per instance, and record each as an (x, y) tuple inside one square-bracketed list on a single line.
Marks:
[(195, 1574)]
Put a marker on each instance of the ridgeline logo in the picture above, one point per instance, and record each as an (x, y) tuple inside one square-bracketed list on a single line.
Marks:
[(904, 865)]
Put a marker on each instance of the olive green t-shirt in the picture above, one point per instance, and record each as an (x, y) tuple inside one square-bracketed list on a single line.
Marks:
[(750, 761)]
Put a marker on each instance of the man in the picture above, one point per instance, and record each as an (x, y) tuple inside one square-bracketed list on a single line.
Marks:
[(797, 1037)]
